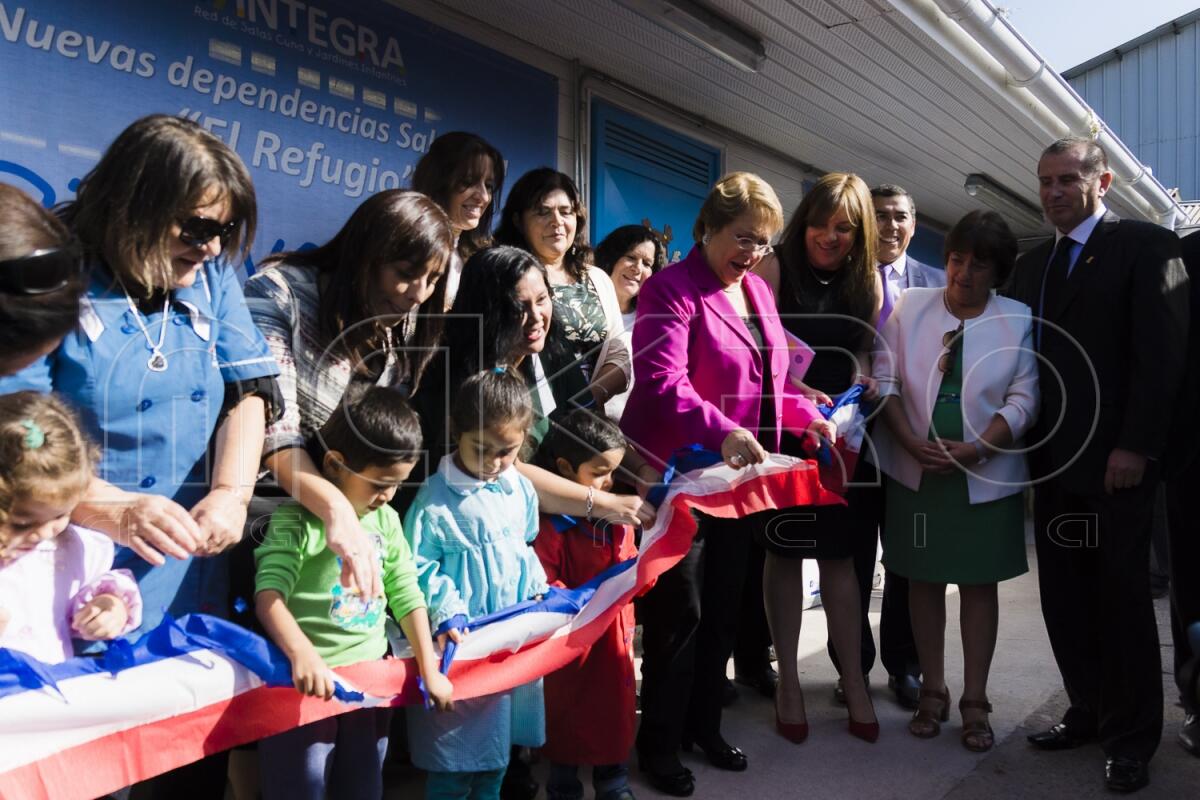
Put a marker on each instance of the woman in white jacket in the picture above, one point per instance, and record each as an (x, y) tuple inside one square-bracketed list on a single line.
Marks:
[(960, 362)]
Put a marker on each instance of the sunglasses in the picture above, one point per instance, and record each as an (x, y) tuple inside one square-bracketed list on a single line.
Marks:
[(950, 341), (198, 231), (41, 272)]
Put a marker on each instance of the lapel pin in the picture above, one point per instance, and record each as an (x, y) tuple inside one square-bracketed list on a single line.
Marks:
[(1090, 259)]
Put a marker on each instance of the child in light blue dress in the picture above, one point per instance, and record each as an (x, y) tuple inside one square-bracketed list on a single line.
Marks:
[(472, 526)]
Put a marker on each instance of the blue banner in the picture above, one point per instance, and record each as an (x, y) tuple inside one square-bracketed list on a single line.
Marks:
[(325, 102)]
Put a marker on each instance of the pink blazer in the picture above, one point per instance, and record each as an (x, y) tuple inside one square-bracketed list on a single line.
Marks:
[(698, 374)]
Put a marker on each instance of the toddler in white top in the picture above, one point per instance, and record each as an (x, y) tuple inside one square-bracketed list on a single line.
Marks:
[(56, 579)]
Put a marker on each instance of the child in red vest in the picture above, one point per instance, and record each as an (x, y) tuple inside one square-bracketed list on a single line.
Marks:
[(590, 703)]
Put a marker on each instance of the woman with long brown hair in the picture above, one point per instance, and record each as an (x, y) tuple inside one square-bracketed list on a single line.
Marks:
[(828, 292), (463, 174), (344, 312)]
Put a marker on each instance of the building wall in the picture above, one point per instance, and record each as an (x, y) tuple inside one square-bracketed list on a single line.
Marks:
[(786, 176), (1149, 98)]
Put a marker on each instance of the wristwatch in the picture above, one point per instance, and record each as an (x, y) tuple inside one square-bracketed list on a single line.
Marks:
[(981, 451)]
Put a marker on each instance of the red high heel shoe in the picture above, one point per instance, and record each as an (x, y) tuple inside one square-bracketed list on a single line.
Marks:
[(794, 732), (867, 731)]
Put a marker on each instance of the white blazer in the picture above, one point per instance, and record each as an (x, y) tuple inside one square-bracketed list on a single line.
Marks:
[(615, 350), (1000, 376)]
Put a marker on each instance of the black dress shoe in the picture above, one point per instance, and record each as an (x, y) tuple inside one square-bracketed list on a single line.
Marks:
[(667, 775), (721, 754), (1126, 774), (763, 681), (907, 689), (1059, 737), (1189, 734), (518, 783)]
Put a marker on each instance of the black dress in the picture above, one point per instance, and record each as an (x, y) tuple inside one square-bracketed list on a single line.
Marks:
[(817, 313)]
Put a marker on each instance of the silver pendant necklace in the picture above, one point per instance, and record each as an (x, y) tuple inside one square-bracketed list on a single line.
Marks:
[(157, 361), (818, 278)]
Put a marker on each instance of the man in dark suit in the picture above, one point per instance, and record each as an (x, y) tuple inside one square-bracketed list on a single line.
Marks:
[(1111, 313), (1183, 476), (896, 216)]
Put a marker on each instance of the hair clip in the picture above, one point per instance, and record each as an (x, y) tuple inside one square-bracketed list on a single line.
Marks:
[(500, 370), (35, 437)]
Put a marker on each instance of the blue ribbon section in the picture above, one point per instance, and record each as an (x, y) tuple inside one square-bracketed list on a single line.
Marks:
[(563, 522), (556, 601), (684, 460), (172, 638), (851, 395)]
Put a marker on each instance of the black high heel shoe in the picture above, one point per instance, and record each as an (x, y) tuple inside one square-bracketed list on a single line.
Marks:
[(720, 753)]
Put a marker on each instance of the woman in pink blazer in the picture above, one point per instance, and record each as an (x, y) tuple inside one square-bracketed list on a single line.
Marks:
[(710, 363)]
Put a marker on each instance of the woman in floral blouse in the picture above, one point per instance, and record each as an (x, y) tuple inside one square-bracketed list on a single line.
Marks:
[(545, 216)]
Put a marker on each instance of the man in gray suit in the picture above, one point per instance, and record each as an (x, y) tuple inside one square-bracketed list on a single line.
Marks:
[(896, 215)]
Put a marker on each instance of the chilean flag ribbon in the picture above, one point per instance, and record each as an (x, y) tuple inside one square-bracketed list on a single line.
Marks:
[(198, 685), (838, 461)]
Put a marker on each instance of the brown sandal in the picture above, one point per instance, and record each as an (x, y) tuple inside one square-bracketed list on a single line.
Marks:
[(925, 722), (977, 736)]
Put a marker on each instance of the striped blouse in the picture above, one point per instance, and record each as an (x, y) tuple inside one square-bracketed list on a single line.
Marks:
[(284, 302)]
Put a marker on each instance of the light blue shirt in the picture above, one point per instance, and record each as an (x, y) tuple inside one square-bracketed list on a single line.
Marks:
[(153, 428), (472, 541), (1079, 235)]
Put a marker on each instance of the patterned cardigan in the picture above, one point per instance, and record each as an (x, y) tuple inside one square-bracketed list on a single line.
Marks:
[(284, 301)]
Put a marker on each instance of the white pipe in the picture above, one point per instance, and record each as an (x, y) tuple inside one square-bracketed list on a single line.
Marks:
[(989, 41)]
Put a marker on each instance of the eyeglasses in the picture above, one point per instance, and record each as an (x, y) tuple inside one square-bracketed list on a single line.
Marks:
[(198, 231), (41, 272), (950, 341), (748, 245)]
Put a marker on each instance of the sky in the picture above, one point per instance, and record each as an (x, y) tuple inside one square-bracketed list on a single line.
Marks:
[(1094, 25)]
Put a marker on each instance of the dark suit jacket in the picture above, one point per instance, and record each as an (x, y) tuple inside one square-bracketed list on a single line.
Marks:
[(1184, 450), (1112, 351), (923, 275)]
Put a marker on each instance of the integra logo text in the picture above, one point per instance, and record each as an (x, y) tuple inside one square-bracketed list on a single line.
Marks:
[(315, 26)]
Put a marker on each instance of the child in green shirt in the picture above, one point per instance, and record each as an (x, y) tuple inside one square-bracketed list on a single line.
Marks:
[(367, 448)]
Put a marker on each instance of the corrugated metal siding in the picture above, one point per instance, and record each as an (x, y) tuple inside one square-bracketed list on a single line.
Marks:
[(1148, 96)]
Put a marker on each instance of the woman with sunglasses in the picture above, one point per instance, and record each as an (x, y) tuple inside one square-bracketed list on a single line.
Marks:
[(711, 368), (959, 366), (824, 277), (41, 280), (169, 373)]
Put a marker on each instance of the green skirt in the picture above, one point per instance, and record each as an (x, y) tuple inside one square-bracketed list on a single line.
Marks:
[(936, 534)]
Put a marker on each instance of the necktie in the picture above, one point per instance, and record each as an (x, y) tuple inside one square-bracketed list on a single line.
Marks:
[(1055, 281), (889, 300)]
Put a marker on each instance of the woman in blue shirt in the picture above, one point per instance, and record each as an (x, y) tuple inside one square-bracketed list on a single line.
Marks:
[(166, 368), (168, 372)]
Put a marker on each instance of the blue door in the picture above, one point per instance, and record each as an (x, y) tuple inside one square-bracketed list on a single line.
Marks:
[(645, 173)]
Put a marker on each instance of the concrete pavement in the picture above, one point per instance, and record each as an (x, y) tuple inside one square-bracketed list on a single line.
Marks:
[(1024, 689)]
